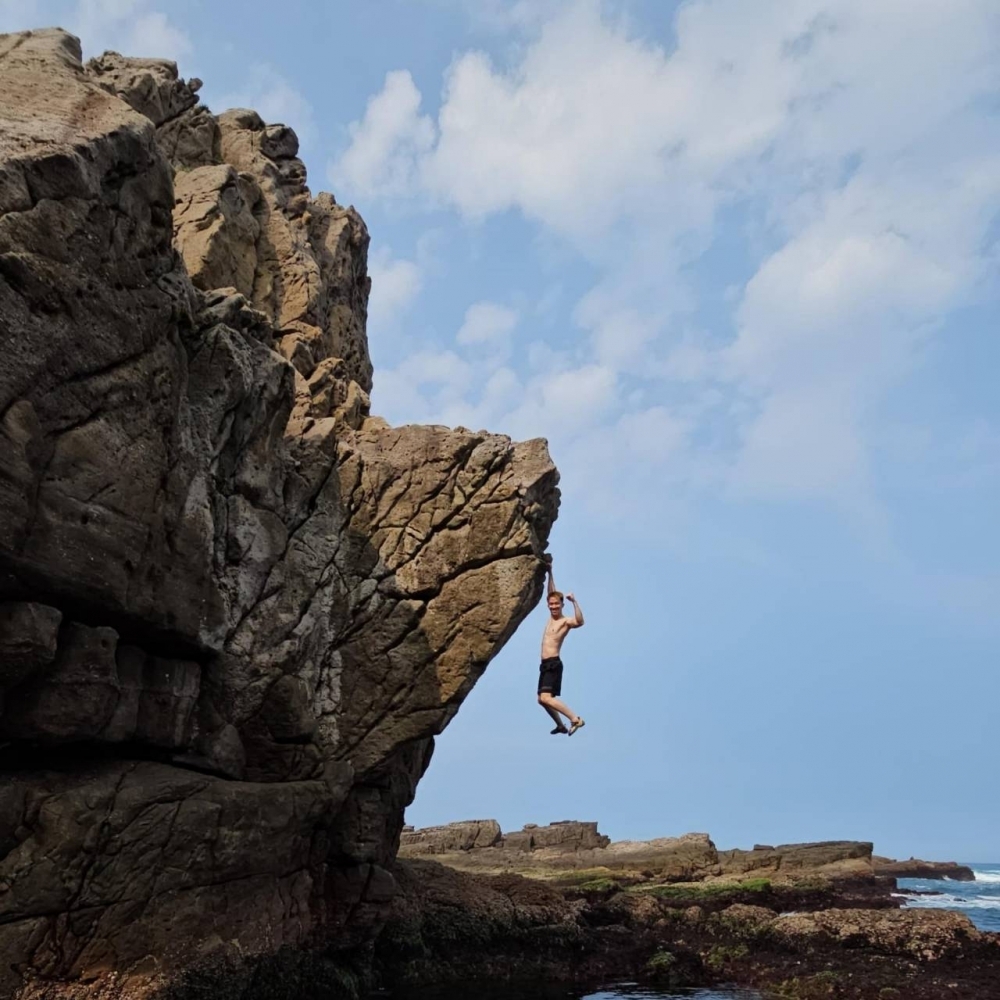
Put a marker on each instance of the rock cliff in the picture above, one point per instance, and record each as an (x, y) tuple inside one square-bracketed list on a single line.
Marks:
[(235, 607)]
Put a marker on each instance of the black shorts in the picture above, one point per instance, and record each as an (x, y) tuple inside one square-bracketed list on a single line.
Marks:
[(550, 676)]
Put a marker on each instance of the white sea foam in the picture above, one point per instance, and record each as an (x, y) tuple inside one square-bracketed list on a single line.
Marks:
[(948, 902), (986, 876)]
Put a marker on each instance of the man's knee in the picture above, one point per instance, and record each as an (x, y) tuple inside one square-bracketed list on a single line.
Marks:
[(544, 697)]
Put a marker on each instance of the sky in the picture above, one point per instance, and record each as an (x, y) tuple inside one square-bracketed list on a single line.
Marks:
[(738, 264)]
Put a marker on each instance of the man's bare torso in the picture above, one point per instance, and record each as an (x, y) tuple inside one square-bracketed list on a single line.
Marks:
[(553, 636)]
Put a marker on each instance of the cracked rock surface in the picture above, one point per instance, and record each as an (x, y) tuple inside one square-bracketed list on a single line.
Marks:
[(235, 608)]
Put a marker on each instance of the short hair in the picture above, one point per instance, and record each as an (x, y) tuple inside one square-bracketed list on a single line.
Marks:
[(557, 593)]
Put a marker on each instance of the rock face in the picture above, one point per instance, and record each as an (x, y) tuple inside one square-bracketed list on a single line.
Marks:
[(479, 845), (567, 836), (914, 868), (836, 858), (234, 607)]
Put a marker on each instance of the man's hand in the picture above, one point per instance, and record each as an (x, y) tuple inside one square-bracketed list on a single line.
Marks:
[(547, 561), (577, 619)]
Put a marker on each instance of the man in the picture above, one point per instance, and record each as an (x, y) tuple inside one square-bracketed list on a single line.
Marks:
[(550, 672)]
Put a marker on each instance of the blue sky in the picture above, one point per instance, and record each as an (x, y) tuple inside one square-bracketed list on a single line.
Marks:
[(738, 263)]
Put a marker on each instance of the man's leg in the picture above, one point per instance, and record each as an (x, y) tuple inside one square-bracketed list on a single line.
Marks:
[(560, 728), (554, 705)]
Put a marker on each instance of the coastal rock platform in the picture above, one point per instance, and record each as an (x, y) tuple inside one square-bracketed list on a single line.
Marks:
[(801, 921)]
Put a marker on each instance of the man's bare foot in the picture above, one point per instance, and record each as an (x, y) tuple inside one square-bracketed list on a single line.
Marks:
[(579, 724), (559, 729)]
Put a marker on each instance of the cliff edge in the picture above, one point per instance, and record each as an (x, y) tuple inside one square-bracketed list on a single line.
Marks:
[(235, 607)]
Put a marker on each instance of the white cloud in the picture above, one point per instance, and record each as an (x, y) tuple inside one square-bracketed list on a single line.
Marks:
[(396, 282), (274, 98), (129, 27), (423, 388), (486, 322), (132, 27), (386, 143), (854, 137)]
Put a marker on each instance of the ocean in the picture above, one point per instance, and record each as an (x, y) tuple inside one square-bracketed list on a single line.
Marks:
[(980, 900)]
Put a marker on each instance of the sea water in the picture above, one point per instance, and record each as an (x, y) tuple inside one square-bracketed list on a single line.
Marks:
[(980, 900)]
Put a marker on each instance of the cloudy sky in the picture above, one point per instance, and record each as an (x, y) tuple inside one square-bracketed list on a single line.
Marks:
[(738, 262)]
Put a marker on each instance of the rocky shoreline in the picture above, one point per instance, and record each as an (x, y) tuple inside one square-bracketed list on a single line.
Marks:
[(800, 921)]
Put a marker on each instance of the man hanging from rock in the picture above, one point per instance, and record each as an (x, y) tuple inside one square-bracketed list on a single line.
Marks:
[(551, 670)]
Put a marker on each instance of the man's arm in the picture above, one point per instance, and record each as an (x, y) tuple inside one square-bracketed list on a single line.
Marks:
[(577, 620), (552, 583)]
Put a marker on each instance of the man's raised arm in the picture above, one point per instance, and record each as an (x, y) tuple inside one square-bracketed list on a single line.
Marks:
[(577, 612), (551, 589)]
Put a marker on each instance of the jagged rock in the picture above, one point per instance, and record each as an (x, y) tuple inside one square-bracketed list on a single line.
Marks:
[(187, 133), (914, 868), (310, 276), (567, 845), (149, 86), (465, 836), (236, 608), (214, 227), (563, 836), (829, 857)]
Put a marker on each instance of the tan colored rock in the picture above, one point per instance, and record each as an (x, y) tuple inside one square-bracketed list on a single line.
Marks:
[(565, 836), (927, 935), (187, 133), (214, 227), (311, 277), (838, 858), (466, 836), (570, 846), (915, 868)]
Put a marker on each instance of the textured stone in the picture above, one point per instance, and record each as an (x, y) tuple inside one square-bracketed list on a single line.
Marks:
[(28, 638), (841, 857), (565, 845), (914, 868), (564, 836), (236, 608), (466, 836), (923, 934), (214, 227)]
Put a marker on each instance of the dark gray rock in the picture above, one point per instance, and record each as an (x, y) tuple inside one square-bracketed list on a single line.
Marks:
[(234, 607)]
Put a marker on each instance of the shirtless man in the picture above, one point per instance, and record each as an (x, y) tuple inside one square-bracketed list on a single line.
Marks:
[(550, 672)]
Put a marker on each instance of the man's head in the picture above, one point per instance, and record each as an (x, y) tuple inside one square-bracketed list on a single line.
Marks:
[(555, 603)]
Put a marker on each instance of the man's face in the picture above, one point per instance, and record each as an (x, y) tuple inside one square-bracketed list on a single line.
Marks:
[(555, 607)]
